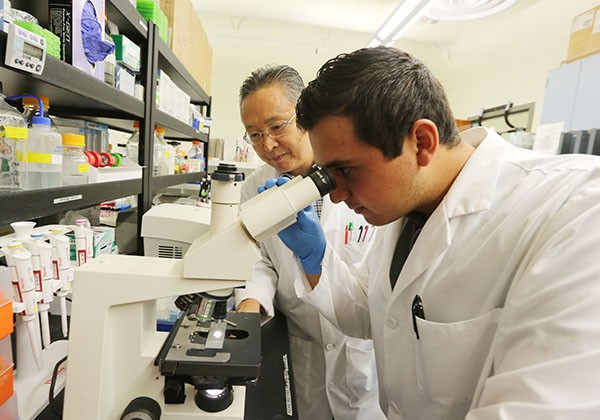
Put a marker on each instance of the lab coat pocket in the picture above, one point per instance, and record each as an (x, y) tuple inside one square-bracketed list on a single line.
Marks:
[(361, 373), (301, 366), (449, 357)]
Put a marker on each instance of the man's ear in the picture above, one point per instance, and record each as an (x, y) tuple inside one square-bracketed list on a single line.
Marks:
[(426, 134)]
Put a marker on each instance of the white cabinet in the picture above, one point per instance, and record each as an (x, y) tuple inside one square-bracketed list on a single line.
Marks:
[(573, 95)]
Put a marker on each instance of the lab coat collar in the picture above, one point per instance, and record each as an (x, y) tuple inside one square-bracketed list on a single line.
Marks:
[(471, 192), (473, 189)]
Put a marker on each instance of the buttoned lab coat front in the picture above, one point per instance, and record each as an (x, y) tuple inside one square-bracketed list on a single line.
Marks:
[(508, 269), (334, 375)]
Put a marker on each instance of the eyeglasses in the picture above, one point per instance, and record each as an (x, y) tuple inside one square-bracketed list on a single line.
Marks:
[(275, 131)]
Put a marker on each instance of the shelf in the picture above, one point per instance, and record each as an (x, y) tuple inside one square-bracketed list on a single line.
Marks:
[(69, 88), (127, 18), (27, 205), (168, 61), (160, 182), (176, 129)]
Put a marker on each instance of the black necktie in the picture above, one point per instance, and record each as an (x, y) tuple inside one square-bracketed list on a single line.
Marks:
[(414, 223), (318, 206)]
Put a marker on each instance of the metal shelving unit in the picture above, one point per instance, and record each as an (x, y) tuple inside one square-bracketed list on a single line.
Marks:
[(73, 93), (34, 204)]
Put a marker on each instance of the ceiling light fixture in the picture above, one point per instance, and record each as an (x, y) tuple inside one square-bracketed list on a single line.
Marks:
[(396, 25)]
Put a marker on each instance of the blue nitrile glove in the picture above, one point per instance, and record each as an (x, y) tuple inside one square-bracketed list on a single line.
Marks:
[(94, 46), (305, 237)]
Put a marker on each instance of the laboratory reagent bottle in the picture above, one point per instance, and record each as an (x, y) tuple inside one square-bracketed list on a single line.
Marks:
[(133, 143), (196, 157), (44, 155), (13, 147), (75, 164), (166, 161), (31, 107)]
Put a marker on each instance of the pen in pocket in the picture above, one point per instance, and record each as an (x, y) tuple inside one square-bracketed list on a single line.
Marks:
[(417, 312)]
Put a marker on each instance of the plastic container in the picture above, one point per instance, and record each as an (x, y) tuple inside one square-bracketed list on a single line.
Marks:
[(196, 157), (44, 157), (13, 147), (133, 143), (178, 155), (75, 163), (31, 107), (166, 157), (158, 154)]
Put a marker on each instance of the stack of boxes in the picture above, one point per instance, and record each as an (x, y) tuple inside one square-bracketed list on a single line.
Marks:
[(188, 41), (150, 10), (128, 56), (8, 401)]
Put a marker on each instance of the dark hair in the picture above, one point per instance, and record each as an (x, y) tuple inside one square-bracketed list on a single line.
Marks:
[(284, 75), (384, 91)]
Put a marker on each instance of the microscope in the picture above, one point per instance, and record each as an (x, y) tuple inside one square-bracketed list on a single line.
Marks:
[(120, 367)]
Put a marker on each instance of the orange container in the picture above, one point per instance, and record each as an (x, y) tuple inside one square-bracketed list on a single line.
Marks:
[(6, 319), (6, 383)]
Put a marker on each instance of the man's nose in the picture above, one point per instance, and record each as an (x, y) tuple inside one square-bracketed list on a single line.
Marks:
[(339, 194), (269, 143)]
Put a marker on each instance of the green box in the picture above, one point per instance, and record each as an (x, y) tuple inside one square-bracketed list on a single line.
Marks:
[(127, 53), (104, 242)]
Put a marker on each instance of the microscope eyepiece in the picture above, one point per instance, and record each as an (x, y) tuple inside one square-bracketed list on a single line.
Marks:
[(322, 179)]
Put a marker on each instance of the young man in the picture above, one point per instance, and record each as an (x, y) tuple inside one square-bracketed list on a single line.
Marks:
[(483, 297), (334, 375)]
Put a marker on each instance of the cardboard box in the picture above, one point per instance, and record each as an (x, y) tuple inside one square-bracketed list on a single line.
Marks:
[(124, 80), (585, 35), (188, 40), (65, 18), (127, 53)]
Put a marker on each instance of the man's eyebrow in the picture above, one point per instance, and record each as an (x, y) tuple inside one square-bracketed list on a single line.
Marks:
[(269, 121), (336, 163)]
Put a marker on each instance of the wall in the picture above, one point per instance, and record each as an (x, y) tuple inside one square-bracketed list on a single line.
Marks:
[(493, 60), (508, 60), (236, 53)]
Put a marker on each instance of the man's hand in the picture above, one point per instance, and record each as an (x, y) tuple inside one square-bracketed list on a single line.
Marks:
[(249, 305), (305, 237)]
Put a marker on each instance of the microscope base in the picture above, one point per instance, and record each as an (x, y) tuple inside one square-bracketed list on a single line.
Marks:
[(189, 410)]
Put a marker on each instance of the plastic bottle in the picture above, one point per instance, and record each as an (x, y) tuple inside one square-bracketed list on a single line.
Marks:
[(13, 147), (162, 151), (44, 154), (178, 155), (75, 164), (133, 143), (196, 157), (31, 107)]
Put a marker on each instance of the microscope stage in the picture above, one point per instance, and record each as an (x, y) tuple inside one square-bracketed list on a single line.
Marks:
[(185, 352)]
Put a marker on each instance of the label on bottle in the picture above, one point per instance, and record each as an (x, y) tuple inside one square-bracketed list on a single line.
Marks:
[(83, 168), (47, 158), (195, 164), (16, 132)]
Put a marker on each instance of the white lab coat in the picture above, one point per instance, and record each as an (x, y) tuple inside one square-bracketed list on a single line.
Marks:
[(508, 269), (334, 375)]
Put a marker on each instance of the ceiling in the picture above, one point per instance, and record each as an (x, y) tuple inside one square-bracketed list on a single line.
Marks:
[(364, 16)]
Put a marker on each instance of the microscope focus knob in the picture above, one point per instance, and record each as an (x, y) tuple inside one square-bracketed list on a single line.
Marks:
[(142, 408), (174, 391)]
